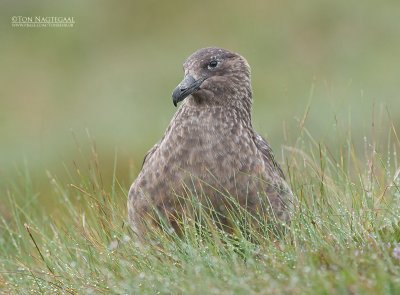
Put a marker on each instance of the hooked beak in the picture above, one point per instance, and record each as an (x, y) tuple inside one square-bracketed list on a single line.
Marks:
[(188, 86)]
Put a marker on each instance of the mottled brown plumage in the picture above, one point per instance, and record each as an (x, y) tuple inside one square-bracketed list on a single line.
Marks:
[(210, 148)]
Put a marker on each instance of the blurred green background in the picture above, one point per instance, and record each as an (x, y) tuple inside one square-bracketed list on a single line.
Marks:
[(112, 74)]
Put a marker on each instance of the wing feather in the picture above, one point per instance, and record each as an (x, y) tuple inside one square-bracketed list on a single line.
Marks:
[(268, 155)]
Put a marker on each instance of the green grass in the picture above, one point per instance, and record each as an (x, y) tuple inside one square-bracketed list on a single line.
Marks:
[(113, 74), (342, 239)]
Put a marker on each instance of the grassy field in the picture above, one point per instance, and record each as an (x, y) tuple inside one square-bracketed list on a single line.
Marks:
[(344, 238)]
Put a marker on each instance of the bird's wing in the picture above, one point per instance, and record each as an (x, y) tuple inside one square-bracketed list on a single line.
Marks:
[(156, 146), (267, 154), (150, 153)]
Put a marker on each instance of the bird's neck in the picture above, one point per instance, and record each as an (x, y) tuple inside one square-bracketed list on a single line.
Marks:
[(215, 114), (239, 103)]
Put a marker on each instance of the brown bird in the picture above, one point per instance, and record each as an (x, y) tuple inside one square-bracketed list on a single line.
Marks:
[(210, 149)]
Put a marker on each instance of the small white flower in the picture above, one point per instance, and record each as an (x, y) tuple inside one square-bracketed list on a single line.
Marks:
[(113, 245), (396, 251)]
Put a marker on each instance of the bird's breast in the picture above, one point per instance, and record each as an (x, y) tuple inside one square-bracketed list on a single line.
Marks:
[(203, 151), (209, 142)]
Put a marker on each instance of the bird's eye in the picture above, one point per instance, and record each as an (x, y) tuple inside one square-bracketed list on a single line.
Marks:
[(212, 64)]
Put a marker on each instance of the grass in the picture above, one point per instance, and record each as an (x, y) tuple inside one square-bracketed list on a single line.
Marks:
[(344, 237)]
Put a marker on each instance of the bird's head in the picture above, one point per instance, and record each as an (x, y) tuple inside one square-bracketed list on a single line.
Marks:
[(214, 76)]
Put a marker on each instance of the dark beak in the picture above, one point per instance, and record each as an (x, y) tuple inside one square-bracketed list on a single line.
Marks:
[(185, 88)]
